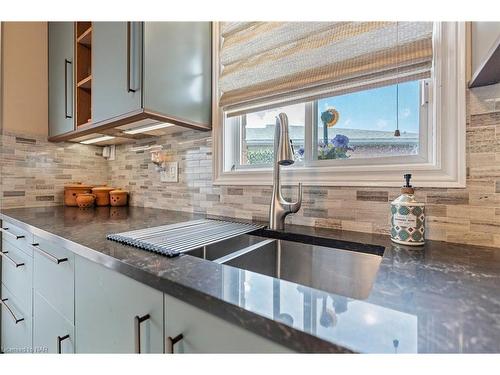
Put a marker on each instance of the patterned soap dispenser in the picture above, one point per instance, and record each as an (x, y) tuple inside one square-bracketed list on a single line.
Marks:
[(408, 217)]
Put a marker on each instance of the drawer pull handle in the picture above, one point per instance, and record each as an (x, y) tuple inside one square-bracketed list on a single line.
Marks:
[(16, 319), (172, 341), (137, 325), (3, 254), (134, 35), (6, 231), (60, 339), (49, 256), (66, 63)]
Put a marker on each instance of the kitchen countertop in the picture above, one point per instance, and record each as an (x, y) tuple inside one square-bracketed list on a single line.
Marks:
[(437, 299)]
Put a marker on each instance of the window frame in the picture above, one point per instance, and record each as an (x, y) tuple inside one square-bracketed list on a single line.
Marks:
[(442, 166)]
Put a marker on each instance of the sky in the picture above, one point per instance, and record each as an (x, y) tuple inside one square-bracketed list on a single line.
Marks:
[(373, 109), (376, 109)]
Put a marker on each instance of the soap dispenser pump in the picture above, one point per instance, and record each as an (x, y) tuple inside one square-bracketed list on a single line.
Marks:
[(407, 217)]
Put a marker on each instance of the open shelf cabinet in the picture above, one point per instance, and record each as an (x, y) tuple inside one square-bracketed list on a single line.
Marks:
[(83, 51)]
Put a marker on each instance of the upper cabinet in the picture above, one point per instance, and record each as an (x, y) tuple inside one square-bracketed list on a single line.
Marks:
[(61, 79), (132, 74), (117, 74), (177, 71)]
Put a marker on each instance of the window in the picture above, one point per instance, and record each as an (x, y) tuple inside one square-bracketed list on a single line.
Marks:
[(367, 123), (253, 135), (364, 127), (376, 128)]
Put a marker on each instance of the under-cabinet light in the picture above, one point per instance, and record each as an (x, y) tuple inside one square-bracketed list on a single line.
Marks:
[(146, 128), (98, 139)]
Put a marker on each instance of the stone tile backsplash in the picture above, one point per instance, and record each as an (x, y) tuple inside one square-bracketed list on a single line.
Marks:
[(36, 173)]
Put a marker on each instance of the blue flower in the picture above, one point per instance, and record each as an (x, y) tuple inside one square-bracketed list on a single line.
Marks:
[(340, 141), (301, 151)]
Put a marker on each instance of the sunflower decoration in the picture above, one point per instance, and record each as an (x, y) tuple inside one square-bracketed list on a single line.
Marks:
[(330, 117)]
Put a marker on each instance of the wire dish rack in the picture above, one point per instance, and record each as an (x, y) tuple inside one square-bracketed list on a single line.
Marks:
[(175, 239)]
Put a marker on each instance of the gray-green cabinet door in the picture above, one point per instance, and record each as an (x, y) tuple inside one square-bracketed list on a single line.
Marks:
[(178, 70), (205, 333), (116, 69), (108, 307), (61, 78), (52, 333)]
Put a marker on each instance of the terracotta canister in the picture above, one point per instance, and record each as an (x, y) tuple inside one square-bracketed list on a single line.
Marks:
[(102, 195), (72, 190), (85, 200), (118, 198)]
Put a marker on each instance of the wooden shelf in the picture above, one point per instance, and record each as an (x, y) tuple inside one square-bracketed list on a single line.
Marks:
[(86, 38), (85, 83), (82, 28), (83, 55)]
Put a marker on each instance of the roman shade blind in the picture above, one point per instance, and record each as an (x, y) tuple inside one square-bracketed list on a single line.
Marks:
[(265, 64)]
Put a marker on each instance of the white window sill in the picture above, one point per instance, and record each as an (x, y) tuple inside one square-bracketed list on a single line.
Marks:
[(377, 176)]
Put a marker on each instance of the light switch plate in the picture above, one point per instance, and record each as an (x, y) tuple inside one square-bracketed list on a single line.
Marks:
[(171, 172)]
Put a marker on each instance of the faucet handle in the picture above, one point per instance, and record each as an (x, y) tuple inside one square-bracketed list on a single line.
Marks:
[(295, 206)]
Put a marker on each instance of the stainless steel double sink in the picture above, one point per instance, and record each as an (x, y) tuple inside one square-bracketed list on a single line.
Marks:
[(349, 273)]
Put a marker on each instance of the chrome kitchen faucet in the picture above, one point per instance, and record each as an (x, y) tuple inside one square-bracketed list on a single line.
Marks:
[(283, 155)]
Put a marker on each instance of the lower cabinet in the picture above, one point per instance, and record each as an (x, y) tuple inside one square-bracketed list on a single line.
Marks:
[(189, 329), (53, 298), (54, 276), (16, 307), (114, 313), (53, 301), (52, 333)]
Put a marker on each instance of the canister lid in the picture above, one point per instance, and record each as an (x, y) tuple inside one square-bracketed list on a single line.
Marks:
[(77, 186), (103, 188), (118, 191)]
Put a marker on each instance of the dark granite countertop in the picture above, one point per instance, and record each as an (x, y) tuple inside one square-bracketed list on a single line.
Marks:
[(437, 299)]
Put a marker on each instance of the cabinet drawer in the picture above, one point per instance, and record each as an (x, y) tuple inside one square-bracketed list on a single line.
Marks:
[(17, 274), (21, 238), (53, 275), (16, 325), (205, 333), (52, 333)]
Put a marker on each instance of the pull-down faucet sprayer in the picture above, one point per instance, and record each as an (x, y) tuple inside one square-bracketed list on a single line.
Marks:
[(283, 155)]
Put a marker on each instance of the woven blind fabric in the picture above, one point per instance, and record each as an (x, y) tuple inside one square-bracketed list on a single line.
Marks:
[(268, 63)]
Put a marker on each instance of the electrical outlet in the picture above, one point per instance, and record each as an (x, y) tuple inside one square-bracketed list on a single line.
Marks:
[(170, 173)]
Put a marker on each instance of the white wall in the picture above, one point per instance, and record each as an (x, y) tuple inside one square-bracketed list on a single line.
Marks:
[(25, 78)]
